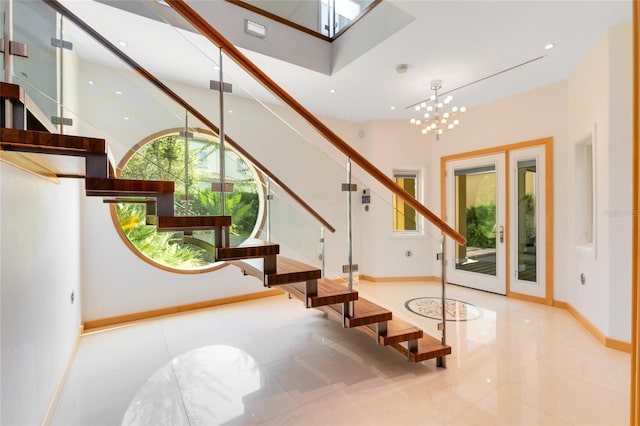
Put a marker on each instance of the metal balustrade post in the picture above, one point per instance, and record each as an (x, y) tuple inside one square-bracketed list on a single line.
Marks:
[(186, 163), (225, 230), (349, 227), (268, 208), (322, 249), (441, 361)]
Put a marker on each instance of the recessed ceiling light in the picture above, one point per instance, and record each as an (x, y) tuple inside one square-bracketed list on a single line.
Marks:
[(230, 111), (392, 108), (117, 92), (122, 43), (549, 46), (332, 91), (126, 118), (91, 82)]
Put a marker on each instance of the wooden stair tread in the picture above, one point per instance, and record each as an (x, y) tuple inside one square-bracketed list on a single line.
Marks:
[(329, 293), (291, 271), (428, 348), (250, 248), (365, 312), (188, 223), (50, 143), (287, 271), (108, 187), (398, 331)]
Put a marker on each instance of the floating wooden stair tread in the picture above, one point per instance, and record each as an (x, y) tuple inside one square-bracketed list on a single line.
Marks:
[(50, 143), (428, 348), (106, 187), (291, 271), (329, 293), (365, 312), (251, 248), (398, 331), (287, 271), (188, 223)]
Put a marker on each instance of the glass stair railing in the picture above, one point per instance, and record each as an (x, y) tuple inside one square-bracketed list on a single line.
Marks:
[(328, 226)]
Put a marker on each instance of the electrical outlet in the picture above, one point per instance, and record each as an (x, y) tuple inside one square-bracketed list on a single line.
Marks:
[(583, 279), (72, 297), (408, 253)]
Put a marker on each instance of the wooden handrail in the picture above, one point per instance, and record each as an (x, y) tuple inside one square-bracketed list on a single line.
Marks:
[(175, 97), (234, 53)]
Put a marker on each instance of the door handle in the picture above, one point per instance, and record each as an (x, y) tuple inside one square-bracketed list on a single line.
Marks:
[(501, 233)]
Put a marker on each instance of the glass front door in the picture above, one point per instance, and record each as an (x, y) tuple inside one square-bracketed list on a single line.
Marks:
[(477, 211), (499, 216)]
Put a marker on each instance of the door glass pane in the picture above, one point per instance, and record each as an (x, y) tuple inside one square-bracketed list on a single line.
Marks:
[(475, 211), (526, 221)]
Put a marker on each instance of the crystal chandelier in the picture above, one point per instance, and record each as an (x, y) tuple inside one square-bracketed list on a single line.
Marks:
[(438, 116)]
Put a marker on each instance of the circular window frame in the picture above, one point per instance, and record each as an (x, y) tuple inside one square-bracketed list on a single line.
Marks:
[(258, 176)]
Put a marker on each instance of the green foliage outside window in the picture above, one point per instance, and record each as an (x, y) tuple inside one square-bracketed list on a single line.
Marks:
[(481, 224), (164, 159)]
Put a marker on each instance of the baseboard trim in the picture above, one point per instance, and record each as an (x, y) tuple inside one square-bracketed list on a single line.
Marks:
[(528, 298), (399, 279), (597, 333), (94, 325), (53, 405)]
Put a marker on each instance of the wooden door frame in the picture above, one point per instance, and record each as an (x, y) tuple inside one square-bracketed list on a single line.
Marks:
[(547, 143), (635, 247)]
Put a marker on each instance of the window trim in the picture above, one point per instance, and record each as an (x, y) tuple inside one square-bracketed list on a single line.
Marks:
[(216, 265)]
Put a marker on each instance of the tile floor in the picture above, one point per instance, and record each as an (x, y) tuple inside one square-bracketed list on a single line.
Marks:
[(272, 362)]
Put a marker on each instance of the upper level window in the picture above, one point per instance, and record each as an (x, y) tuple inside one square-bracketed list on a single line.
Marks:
[(193, 164), (405, 218)]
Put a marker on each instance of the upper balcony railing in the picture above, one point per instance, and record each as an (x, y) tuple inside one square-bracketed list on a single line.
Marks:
[(326, 18)]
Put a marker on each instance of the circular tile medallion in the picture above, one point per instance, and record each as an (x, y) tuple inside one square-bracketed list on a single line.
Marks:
[(431, 307)]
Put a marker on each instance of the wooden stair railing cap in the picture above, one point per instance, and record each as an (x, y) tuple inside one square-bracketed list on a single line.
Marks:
[(234, 53)]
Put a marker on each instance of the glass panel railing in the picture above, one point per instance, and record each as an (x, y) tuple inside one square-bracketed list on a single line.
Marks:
[(109, 100), (5, 14), (38, 26), (258, 123)]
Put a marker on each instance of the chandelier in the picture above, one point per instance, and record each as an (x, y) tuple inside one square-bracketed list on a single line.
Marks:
[(438, 116)]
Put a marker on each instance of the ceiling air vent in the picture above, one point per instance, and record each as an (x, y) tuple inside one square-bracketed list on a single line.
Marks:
[(255, 29)]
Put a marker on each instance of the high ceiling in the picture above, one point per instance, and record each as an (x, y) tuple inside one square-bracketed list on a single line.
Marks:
[(459, 42)]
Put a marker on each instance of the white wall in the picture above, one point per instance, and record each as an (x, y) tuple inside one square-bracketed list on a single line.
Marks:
[(620, 169), (40, 267), (600, 99), (116, 282)]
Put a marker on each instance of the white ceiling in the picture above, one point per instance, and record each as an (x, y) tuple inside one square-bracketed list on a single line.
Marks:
[(456, 41)]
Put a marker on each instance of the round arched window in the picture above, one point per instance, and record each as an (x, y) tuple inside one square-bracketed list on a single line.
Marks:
[(193, 163)]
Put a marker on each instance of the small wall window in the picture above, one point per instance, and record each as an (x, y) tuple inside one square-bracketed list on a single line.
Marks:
[(584, 192), (405, 218)]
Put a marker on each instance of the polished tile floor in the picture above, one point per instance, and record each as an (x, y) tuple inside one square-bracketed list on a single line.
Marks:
[(271, 361)]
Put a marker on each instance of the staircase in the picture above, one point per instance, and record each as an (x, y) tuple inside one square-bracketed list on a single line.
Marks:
[(254, 257)]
